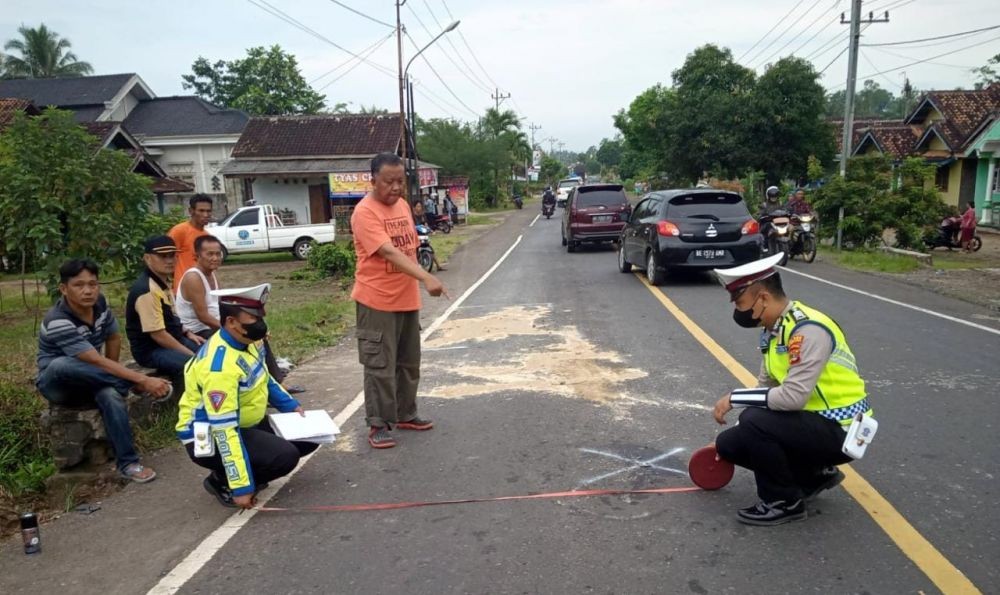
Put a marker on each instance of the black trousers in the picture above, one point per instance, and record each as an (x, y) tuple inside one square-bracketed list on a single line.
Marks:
[(270, 456), (786, 450), (269, 361)]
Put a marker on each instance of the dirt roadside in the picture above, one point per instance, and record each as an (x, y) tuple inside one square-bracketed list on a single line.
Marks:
[(979, 284)]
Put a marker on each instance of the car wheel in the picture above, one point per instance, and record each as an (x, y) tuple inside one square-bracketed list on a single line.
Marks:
[(302, 248), (654, 275), (563, 233), (570, 245), (623, 264)]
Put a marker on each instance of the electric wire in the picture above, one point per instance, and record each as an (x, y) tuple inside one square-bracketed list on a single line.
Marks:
[(438, 76), (872, 64), (782, 34), (905, 57), (446, 54), (357, 63), (452, 45), (359, 13), (836, 19), (365, 52), (771, 30), (913, 41), (962, 49), (472, 52)]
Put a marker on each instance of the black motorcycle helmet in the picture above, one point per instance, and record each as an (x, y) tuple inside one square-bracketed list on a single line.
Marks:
[(772, 193)]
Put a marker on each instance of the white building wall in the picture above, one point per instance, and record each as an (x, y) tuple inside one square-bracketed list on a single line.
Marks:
[(196, 163), (293, 196)]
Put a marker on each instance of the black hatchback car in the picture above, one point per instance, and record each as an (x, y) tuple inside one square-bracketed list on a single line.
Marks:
[(695, 228)]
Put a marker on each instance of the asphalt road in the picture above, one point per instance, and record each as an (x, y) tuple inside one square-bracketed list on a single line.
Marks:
[(561, 373)]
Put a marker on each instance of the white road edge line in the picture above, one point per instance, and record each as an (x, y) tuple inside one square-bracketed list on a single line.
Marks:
[(532, 224), (896, 302), (216, 540)]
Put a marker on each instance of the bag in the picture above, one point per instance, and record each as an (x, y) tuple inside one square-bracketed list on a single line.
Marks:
[(859, 435)]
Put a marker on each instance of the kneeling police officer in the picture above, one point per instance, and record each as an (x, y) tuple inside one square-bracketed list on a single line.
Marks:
[(228, 389), (793, 426)]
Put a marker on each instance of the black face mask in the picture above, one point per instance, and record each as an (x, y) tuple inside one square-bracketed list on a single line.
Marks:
[(745, 318), (255, 331)]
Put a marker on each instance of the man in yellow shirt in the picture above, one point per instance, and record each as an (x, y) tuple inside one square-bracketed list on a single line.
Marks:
[(228, 391)]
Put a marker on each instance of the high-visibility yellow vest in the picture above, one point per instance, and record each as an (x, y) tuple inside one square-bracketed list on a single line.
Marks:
[(840, 392)]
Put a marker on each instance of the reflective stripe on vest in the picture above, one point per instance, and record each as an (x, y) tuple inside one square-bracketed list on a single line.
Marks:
[(840, 391)]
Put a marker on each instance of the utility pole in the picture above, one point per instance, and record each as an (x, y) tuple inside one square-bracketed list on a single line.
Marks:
[(552, 140), (402, 106), (499, 97), (852, 79), (533, 128)]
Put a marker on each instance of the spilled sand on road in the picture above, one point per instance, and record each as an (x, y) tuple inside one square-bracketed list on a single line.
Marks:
[(568, 364)]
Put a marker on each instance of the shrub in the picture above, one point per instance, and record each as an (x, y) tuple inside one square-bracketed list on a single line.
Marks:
[(333, 260), (25, 461)]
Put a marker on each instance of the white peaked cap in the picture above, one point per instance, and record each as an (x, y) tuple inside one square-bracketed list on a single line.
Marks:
[(737, 278), (251, 299)]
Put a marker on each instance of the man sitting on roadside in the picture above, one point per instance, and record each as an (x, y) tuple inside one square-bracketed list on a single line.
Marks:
[(154, 332), (73, 373), (198, 308)]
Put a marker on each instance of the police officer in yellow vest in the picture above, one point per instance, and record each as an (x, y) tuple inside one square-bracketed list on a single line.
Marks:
[(222, 420), (793, 426)]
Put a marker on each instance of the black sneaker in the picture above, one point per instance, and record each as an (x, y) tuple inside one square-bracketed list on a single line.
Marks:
[(828, 478), (765, 514), (222, 494)]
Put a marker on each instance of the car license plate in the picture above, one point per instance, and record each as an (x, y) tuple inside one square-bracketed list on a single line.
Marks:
[(806, 227), (709, 254), (601, 218)]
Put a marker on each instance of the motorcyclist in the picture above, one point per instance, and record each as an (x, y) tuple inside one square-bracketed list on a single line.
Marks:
[(798, 205), (548, 197), (770, 205)]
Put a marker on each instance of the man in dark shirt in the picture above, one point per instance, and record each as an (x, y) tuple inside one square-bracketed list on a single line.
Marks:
[(73, 373), (154, 332)]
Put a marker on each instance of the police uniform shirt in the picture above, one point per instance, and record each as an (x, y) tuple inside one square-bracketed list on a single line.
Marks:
[(808, 356)]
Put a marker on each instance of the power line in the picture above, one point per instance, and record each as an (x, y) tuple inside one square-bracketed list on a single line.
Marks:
[(905, 57), (363, 52), (771, 30), (469, 47), (868, 76), (357, 63), (835, 21), (440, 48), (808, 27), (837, 57), (787, 29), (872, 64), (359, 13), (438, 76), (451, 44), (274, 11), (912, 41)]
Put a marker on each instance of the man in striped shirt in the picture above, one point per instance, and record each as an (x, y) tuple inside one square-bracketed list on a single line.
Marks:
[(73, 372)]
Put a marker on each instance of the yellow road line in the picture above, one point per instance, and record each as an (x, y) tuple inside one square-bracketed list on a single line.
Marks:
[(928, 559)]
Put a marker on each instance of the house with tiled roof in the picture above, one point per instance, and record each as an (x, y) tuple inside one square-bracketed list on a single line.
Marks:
[(958, 131), (315, 168), (187, 137), (110, 135)]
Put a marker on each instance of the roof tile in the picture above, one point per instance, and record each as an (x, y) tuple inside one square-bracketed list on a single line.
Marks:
[(318, 136)]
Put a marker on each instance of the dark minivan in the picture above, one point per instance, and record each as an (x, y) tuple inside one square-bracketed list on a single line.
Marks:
[(694, 228), (594, 213)]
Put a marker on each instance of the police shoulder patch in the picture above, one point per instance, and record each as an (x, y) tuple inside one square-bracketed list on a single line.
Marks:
[(217, 397), (795, 349)]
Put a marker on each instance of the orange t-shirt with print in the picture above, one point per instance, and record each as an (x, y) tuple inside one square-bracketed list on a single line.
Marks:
[(184, 234), (378, 284)]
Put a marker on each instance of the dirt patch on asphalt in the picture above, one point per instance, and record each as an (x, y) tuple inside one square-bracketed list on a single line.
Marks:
[(568, 364), (978, 282)]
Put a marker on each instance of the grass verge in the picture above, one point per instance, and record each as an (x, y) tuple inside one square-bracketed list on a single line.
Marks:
[(871, 261)]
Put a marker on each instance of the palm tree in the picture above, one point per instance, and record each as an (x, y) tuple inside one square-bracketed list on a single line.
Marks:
[(43, 54), (496, 122)]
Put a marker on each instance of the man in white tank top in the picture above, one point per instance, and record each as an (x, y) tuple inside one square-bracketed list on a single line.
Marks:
[(197, 308)]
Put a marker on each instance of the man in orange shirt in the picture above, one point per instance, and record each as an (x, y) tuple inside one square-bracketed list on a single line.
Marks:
[(184, 234), (387, 292)]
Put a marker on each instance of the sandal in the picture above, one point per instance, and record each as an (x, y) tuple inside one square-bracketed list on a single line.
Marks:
[(137, 473), (294, 389)]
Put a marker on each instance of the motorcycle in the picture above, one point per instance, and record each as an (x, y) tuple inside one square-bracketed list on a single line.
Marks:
[(518, 201), (425, 252), (778, 237), (548, 209), (803, 240), (947, 237), (440, 223)]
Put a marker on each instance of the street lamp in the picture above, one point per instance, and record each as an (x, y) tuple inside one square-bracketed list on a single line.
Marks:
[(403, 82)]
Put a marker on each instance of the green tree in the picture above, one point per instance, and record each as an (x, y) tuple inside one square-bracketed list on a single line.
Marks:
[(787, 124), (42, 54), (267, 82), (987, 74), (609, 152), (552, 170), (872, 101), (62, 196)]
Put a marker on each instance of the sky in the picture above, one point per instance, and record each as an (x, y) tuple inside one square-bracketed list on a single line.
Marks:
[(568, 66)]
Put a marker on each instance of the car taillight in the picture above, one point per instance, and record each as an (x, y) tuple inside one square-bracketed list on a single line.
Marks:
[(751, 226), (666, 228)]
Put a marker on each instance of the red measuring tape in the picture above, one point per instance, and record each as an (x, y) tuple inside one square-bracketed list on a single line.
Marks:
[(547, 495)]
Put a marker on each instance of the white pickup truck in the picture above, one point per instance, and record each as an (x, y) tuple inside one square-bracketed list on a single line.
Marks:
[(259, 229)]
